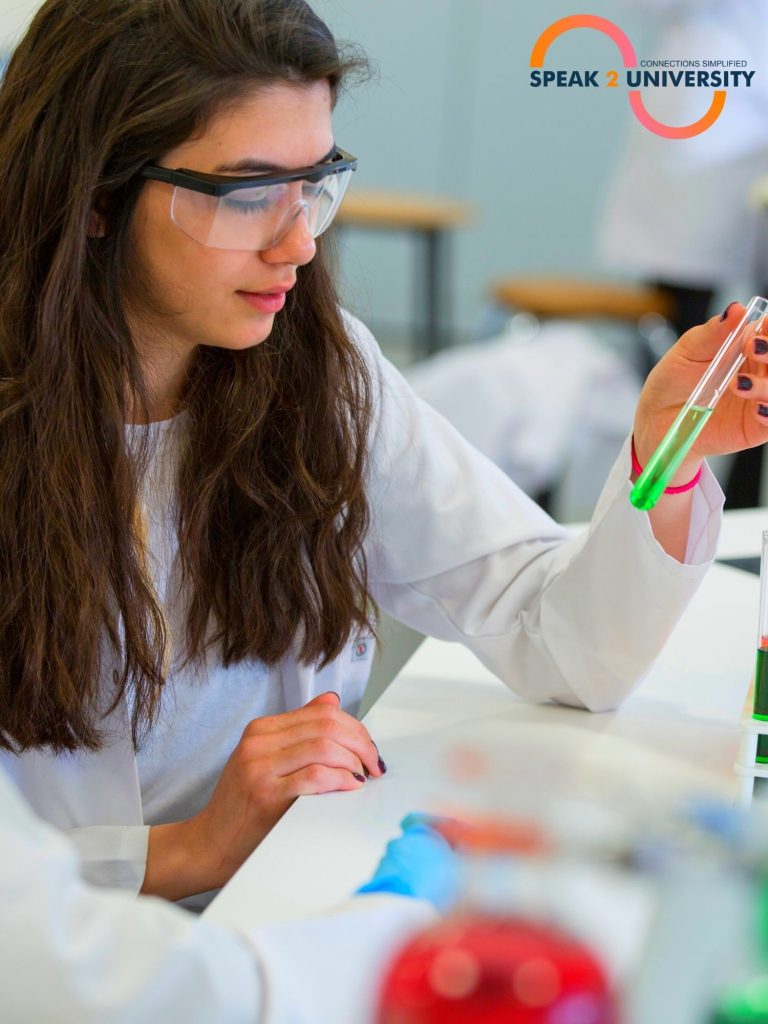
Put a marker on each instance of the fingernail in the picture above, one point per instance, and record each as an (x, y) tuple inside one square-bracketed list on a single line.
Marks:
[(763, 410), (359, 777), (761, 347), (383, 767), (725, 312), (744, 384)]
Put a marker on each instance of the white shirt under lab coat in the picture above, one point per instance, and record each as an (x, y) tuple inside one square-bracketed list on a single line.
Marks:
[(455, 551), (73, 954)]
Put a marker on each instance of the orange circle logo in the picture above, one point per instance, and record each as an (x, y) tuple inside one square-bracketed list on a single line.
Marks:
[(627, 51)]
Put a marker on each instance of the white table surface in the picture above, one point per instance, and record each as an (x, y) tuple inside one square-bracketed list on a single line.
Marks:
[(678, 733), (741, 534)]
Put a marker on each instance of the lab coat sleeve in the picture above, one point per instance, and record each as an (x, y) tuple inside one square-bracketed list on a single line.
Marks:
[(112, 855), (457, 551), (95, 798), (72, 953), (343, 955), (79, 955)]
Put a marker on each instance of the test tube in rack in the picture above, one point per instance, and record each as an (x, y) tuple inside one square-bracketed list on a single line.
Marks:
[(760, 712), (753, 754)]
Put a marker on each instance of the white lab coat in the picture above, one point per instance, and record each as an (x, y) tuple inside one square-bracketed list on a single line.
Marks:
[(458, 552), (679, 210), (73, 954)]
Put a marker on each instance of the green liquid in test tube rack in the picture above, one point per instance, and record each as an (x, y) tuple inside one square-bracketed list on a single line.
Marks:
[(760, 711), (692, 418)]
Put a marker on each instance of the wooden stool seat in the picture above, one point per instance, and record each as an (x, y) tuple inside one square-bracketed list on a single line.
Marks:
[(378, 208), (572, 298)]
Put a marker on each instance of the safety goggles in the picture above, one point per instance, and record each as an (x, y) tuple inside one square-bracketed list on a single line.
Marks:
[(253, 213)]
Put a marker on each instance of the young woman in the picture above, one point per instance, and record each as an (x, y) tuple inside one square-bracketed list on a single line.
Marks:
[(210, 473)]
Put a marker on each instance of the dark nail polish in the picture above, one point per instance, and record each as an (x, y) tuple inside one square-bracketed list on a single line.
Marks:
[(761, 347), (359, 777), (744, 384), (763, 410), (382, 766), (725, 311)]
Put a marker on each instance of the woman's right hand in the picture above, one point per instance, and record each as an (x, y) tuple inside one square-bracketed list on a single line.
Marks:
[(316, 749), (420, 863)]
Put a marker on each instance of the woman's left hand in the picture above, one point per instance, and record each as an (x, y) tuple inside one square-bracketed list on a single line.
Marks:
[(735, 424)]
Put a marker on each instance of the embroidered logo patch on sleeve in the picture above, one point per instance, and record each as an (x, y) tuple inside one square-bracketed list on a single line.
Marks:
[(361, 648)]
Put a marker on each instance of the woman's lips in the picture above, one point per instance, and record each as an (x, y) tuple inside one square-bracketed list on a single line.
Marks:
[(264, 302)]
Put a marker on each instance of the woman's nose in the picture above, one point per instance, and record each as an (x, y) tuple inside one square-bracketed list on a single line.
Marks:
[(296, 243)]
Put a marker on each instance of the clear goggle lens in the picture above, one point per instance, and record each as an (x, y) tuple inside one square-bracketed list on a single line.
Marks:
[(257, 217)]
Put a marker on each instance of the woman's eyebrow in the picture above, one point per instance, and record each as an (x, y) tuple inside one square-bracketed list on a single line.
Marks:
[(251, 166)]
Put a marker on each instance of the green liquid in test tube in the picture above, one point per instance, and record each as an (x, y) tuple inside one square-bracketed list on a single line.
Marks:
[(745, 1005), (760, 711), (692, 418), (675, 445), (748, 1003)]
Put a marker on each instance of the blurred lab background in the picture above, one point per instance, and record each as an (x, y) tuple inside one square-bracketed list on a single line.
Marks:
[(539, 246)]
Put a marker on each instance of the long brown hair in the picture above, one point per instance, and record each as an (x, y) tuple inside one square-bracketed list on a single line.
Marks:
[(272, 511)]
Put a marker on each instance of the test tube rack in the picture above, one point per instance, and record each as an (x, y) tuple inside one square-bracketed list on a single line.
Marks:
[(746, 767)]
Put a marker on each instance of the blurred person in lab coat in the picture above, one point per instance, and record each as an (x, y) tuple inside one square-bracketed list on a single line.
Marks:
[(679, 213), (75, 954), (563, 449), (210, 473)]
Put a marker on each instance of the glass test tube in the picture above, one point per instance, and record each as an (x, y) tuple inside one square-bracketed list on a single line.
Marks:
[(760, 711), (692, 418)]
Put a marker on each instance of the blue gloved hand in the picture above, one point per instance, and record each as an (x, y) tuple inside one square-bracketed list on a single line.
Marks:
[(418, 863)]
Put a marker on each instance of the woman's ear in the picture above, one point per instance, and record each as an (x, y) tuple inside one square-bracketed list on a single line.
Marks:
[(97, 225)]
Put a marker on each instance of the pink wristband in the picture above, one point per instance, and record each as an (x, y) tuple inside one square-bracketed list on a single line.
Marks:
[(637, 468)]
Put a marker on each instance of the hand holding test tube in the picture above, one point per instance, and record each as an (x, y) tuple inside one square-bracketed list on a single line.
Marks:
[(693, 416)]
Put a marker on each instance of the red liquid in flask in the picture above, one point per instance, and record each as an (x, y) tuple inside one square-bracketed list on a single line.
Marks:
[(480, 969)]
